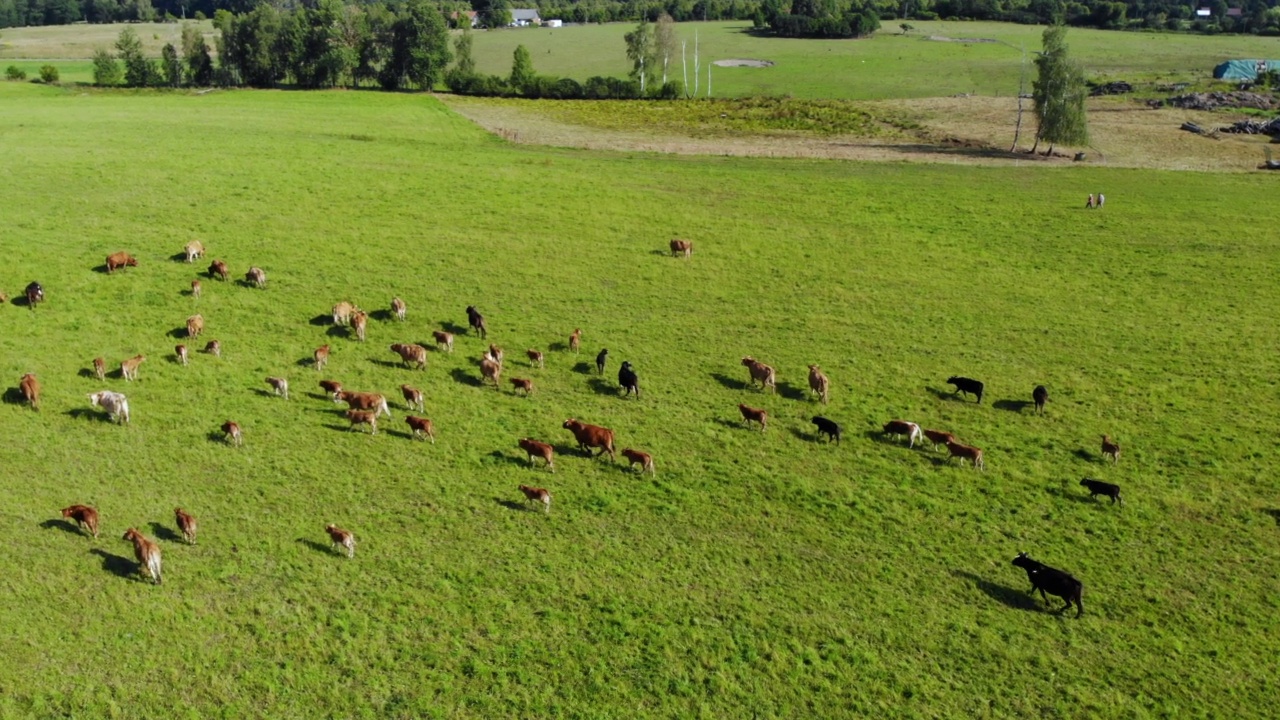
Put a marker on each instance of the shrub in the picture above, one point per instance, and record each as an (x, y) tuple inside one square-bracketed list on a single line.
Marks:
[(13, 72), (200, 16), (48, 74), (106, 71)]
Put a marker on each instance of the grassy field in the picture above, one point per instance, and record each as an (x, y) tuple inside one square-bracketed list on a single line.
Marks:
[(756, 575)]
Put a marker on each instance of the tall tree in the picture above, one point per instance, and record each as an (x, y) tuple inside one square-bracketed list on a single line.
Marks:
[(464, 63), (139, 70), (640, 51), (1059, 94), (195, 52), (522, 74), (419, 47), (492, 13), (170, 66), (665, 44)]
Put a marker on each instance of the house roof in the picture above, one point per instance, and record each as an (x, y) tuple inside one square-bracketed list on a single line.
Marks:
[(524, 14)]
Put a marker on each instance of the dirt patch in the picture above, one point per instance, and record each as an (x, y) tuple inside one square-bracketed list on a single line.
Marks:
[(743, 62)]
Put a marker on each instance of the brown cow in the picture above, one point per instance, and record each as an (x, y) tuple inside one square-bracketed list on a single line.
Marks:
[(681, 247), (280, 386), (398, 308), (332, 388), (85, 517), (358, 321), (364, 401), (29, 386), (181, 352), (219, 270), (590, 436), (443, 339), (819, 383), (760, 373), (522, 384), (195, 325), (538, 449), (490, 370), (187, 524), (342, 538), (195, 288), (411, 355), (231, 433), (421, 426), (535, 357), (363, 417), (1111, 449), (342, 313), (256, 277), (940, 437), (902, 427), (537, 495), (750, 414), (100, 368), (494, 353), (966, 452), (320, 357), (575, 340), (119, 260), (147, 552), (412, 397), (129, 368), (193, 250), (214, 348), (636, 457)]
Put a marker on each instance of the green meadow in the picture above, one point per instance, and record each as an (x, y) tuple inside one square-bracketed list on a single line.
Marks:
[(757, 574)]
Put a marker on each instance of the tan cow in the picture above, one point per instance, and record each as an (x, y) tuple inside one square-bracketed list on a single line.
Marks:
[(181, 352), (397, 308), (750, 415), (519, 384), (195, 325), (280, 386), (129, 368), (193, 250), (411, 355), (537, 495), (219, 269), (214, 348), (342, 313), (940, 437), (819, 383), (358, 321), (363, 417), (147, 552), (575, 340), (119, 260), (321, 357), (256, 277), (421, 427), (231, 433), (342, 538), (195, 288), (681, 247), (535, 357), (412, 397), (100, 368), (966, 452), (187, 524), (539, 449), (495, 353), (636, 457), (85, 517), (490, 370), (29, 386), (760, 373), (364, 401), (443, 339)]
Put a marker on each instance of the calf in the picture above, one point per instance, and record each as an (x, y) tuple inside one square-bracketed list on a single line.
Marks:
[(331, 388), (830, 428), (180, 351), (940, 437), (231, 433), (681, 247), (966, 452), (750, 414), (490, 370), (321, 357), (256, 277), (342, 313), (902, 427), (476, 321), (29, 386), (34, 293), (494, 353), (421, 427), (412, 398), (85, 517), (214, 348), (638, 457), (601, 358), (537, 495), (342, 539), (129, 368), (1097, 487), (1102, 199), (539, 449), (535, 357), (411, 355), (1110, 449), (195, 288), (193, 250), (1053, 581), (359, 320), (818, 383), (522, 384), (195, 325), (116, 405), (147, 552), (364, 401), (398, 309), (363, 417), (280, 386), (186, 524), (219, 269), (443, 339), (119, 260), (761, 373), (628, 379), (965, 385), (1040, 396), (1089, 203), (575, 339), (590, 436), (100, 368)]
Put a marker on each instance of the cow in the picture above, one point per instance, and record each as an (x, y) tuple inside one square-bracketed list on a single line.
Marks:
[(195, 325), (280, 386), (628, 379), (219, 269), (965, 385), (342, 539), (214, 348), (85, 517), (590, 436), (494, 353), (641, 458), (1098, 487), (902, 427), (116, 404), (443, 339), (537, 495), (147, 552), (398, 309), (1102, 200), (363, 417), (490, 370), (476, 321), (524, 384), (761, 373), (412, 397), (1110, 449), (193, 250), (750, 414), (231, 433), (100, 368), (119, 260), (364, 401), (535, 357), (681, 247), (830, 428), (34, 293), (1040, 396), (1053, 581), (575, 339), (186, 524), (331, 388), (966, 452), (180, 352), (411, 355), (342, 313), (129, 368), (256, 277), (539, 449), (940, 437), (421, 427), (601, 358), (320, 357), (819, 383), (359, 320), (29, 386), (1090, 203), (195, 288)]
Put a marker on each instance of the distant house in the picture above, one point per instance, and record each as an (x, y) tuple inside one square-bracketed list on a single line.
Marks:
[(554, 23), (1203, 12), (475, 20), (523, 17)]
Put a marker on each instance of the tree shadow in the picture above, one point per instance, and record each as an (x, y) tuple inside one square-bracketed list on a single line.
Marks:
[(1007, 596), (791, 392), (63, 525), (455, 328), (512, 504), (165, 533), (945, 394), (117, 564), (729, 382), (381, 315), (1011, 405), (13, 396), (321, 320), (1085, 455), (1274, 513), (584, 368), (600, 386), (326, 548), (462, 376)]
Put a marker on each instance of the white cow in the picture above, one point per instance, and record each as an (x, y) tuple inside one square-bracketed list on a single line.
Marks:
[(116, 405)]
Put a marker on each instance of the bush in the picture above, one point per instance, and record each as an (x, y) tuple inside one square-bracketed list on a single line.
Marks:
[(13, 72), (200, 16), (106, 71), (48, 74)]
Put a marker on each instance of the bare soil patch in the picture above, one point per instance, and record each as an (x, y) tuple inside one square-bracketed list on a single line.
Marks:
[(743, 62)]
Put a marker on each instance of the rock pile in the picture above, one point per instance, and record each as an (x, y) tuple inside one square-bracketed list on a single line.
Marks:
[(1254, 127), (1218, 100)]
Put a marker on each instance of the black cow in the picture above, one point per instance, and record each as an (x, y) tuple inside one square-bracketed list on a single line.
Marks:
[(476, 320), (600, 360), (34, 293), (1097, 487), (830, 428), (965, 385), (627, 378), (1041, 396), (1052, 581)]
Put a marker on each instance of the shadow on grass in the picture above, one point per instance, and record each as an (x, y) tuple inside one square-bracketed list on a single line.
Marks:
[(584, 368), (1011, 405), (320, 396), (178, 257), (13, 396), (737, 424), (63, 525), (1274, 513), (390, 364), (162, 532), (512, 504), (321, 320), (306, 362), (557, 347), (326, 548), (455, 328), (340, 331), (403, 435), (178, 332), (1085, 455), (218, 436), (89, 413), (1003, 594), (600, 386), (264, 393), (462, 376), (510, 459), (802, 435), (21, 301), (383, 315), (791, 392), (117, 564), (945, 394), (729, 382), (87, 373), (102, 269), (1066, 494), (187, 293)]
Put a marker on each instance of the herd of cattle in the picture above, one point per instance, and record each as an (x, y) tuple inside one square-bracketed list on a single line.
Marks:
[(364, 409)]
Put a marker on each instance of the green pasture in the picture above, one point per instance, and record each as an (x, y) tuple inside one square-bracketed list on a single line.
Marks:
[(757, 575), (69, 71)]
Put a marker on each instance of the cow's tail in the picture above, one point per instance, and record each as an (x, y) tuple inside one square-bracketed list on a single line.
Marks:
[(384, 408)]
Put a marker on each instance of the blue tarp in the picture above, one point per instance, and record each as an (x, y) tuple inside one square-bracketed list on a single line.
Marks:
[(1244, 69)]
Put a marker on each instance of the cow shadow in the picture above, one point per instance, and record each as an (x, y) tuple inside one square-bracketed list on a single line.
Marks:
[(1085, 455), (584, 368), (217, 436), (305, 362), (455, 328), (1003, 594), (557, 347), (172, 358), (319, 396), (326, 548), (802, 435), (600, 386), (729, 382), (1274, 513), (178, 332), (117, 564), (945, 394), (1011, 405), (342, 428), (508, 458), (90, 414), (178, 257), (321, 320), (241, 282), (21, 301), (462, 376), (87, 373), (791, 392), (388, 364), (734, 424), (340, 331), (402, 435), (263, 393), (63, 525), (1066, 494), (187, 292), (383, 315), (102, 269), (512, 504), (13, 396), (165, 533)]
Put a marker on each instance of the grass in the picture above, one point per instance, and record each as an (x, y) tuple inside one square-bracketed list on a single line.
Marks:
[(767, 575)]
